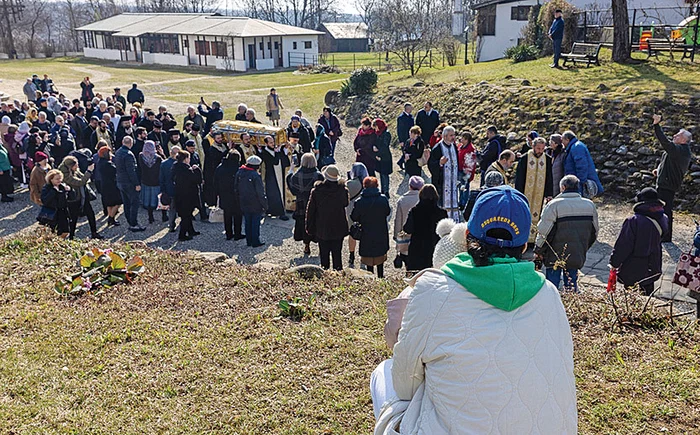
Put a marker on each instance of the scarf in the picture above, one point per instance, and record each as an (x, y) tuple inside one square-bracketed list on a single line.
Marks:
[(363, 132), (320, 131), (148, 155), (535, 179)]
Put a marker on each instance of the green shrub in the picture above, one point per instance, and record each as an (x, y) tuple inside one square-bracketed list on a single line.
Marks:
[(522, 53), (361, 82)]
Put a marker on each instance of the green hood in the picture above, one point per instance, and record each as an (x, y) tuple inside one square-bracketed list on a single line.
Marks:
[(506, 284)]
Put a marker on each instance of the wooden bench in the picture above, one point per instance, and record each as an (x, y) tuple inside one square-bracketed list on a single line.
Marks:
[(583, 53), (655, 45)]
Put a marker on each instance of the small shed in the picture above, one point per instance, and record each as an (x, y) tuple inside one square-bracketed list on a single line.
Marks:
[(344, 37)]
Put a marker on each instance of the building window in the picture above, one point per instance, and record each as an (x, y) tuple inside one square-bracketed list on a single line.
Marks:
[(277, 45), (202, 48), (160, 44), (519, 13), (294, 45), (307, 44), (219, 49), (262, 47), (186, 43), (269, 45), (487, 21)]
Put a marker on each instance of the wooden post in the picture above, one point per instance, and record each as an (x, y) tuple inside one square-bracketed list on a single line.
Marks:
[(585, 25), (634, 20), (695, 43), (353, 62)]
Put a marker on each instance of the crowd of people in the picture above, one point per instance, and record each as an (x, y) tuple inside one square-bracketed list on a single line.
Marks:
[(449, 237)]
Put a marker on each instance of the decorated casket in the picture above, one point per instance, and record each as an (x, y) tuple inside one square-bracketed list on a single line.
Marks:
[(232, 131)]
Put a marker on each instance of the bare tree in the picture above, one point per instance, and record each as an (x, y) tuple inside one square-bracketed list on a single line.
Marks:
[(621, 23), (300, 13), (412, 28), (367, 10), (32, 24)]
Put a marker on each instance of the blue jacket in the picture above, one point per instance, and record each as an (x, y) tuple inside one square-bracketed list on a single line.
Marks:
[(212, 115), (696, 241), (557, 29), (248, 189), (127, 174), (578, 161), (403, 124), (165, 179)]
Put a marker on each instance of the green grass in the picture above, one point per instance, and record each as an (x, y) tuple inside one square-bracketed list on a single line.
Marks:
[(194, 347)]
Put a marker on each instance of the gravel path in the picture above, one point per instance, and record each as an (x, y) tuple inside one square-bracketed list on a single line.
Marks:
[(280, 247)]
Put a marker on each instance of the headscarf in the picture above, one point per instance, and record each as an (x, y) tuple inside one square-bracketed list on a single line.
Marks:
[(320, 132), (381, 126), (149, 153), (6, 120), (22, 131)]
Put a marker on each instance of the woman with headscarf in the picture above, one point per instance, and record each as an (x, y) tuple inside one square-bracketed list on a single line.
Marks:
[(354, 184), (111, 197), (20, 150), (80, 204), (331, 125), (54, 105), (365, 145), (300, 184), (323, 148), (32, 115), (384, 159), (149, 165), (4, 125), (54, 201), (372, 211)]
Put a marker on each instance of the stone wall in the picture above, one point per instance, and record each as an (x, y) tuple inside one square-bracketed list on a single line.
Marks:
[(616, 126)]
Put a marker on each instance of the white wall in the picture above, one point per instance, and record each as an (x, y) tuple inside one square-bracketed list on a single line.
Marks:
[(297, 59), (165, 59), (507, 32), (231, 65), (261, 64), (102, 53)]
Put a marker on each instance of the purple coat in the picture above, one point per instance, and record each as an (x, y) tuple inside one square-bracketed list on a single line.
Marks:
[(637, 251)]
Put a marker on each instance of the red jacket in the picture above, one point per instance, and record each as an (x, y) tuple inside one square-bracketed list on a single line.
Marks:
[(466, 159)]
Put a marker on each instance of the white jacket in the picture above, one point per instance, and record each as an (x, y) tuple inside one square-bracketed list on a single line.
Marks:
[(462, 366)]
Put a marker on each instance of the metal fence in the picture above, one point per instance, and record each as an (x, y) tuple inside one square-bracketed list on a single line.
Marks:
[(378, 60)]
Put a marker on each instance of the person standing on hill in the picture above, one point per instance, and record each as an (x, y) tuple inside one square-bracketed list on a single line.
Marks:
[(331, 124), (365, 144), (578, 161), (428, 120), (403, 126), (273, 104), (86, 93), (556, 34), (675, 161), (135, 95)]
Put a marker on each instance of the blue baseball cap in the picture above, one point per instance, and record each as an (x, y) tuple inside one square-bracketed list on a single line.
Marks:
[(501, 207)]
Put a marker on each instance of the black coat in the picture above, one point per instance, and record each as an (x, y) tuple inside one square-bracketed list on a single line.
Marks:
[(57, 200), (300, 184), (371, 211), (415, 152), (304, 137), (224, 179), (150, 176), (250, 192), (385, 162), (493, 150), (364, 144), (212, 160), (187, 181), (326, 218), (134, 95), (427, 123), (420, 224), (108, 182)]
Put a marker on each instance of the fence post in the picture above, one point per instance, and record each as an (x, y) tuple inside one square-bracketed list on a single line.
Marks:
[(353, 62), (695, 39), (430, 55), (585, 25), (634, 20), (304, 59), (443, 59), (334, 60), (289, 59)]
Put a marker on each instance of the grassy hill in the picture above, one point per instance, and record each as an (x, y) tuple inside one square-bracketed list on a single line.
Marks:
[(196, 347)]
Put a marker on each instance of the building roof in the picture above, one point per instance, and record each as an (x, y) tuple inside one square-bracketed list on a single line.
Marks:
[(130, 25), (483, 3), (347, 30)]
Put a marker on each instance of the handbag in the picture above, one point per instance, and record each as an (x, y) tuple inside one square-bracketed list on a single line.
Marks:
[(90, 194), (356, 231), (72, 196), (47, 216), (164, 198), (268, 114), (327, 160), (216, 214), (161, 203), (688, 272)]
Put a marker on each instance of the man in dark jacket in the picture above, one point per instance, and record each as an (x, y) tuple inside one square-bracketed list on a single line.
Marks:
[(86, 134), (567, 230), (210, 114), (295, 126), (119, 98), (193, 116), (248, 188), (224, 179), (637, 251), (148, 121), (495, 146), (403, 125), (556, 34), (135, 95), (326, 219), (428, 120), (675, 161), (128, 183), (167, 186)]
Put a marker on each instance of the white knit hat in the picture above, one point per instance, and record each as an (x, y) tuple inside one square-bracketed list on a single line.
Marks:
[(453, 241), (254, 160)]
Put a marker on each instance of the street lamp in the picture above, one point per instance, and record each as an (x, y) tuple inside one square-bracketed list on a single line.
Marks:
[(466, 45)]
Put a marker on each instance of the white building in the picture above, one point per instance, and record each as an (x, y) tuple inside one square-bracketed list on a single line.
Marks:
[(500, 22), (231, 43)]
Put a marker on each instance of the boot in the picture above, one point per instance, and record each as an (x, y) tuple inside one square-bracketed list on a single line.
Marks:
[(151, 219), (380, 271), (307, 249), (351, 261), (165, 216)]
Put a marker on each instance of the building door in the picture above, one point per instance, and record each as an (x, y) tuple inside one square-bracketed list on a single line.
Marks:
[(251, 56)]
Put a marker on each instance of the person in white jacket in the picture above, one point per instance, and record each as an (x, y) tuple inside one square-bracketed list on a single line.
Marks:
[(485, 345)]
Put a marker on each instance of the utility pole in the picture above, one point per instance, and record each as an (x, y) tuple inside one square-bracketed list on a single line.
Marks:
[(10, 12)]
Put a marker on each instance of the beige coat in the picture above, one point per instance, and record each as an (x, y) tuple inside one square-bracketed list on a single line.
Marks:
[(37, 179), (270, 103)]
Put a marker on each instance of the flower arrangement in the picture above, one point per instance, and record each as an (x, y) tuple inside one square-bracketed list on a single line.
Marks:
[(100, 269)]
